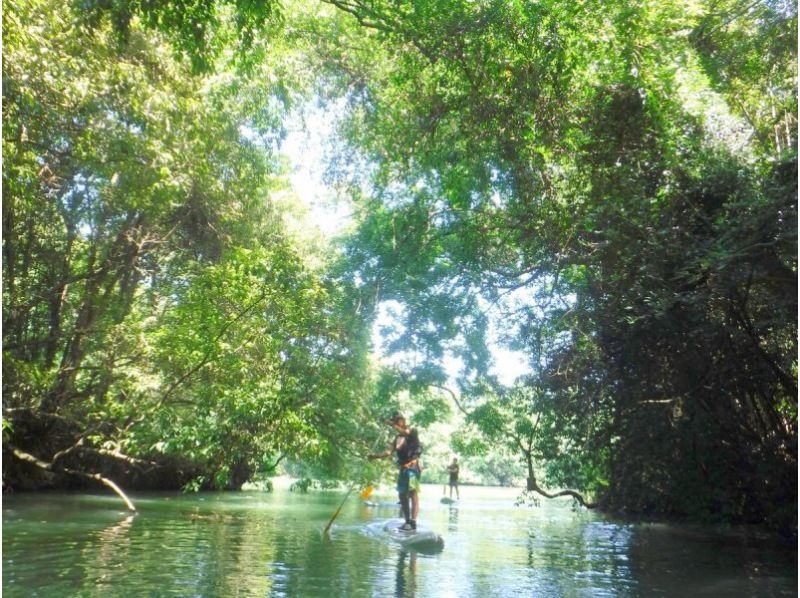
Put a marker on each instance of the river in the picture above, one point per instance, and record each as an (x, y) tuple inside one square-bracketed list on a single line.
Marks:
[(271, 544)]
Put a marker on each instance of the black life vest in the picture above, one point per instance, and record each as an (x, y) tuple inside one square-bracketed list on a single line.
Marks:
[(410, 449)]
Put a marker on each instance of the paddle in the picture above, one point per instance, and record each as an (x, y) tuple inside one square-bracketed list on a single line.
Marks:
[(336, 513), (365, 493)]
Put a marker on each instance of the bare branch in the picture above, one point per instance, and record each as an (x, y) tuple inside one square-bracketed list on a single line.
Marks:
[(28, 458), (454, 397), (576, 495)]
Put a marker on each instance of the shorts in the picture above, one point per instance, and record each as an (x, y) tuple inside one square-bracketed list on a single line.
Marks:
[(408, 480)]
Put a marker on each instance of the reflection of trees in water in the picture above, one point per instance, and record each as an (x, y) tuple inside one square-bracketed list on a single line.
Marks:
[(406, 578), (597, 551), (339, 564), (241, 544), (692, 561), (198, 553)]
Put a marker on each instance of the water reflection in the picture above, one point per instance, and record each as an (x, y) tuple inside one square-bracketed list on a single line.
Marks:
[(452, 518), (270, 545), (110, 551), (594, 552), (697, 561), (406, 577)]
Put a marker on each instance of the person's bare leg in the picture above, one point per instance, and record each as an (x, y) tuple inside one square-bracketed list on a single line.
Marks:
[(404, 505), (414, 505)]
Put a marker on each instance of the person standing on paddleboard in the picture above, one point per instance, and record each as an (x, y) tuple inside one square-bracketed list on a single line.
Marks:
[(452, 469), (407, 447)]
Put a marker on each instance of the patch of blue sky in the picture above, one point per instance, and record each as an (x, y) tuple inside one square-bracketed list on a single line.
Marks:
[(308, 146)]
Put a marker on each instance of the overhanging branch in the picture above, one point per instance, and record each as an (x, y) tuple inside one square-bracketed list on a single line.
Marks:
[(28, 458)]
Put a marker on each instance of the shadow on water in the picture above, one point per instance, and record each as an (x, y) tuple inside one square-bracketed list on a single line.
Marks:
[(697, 561)]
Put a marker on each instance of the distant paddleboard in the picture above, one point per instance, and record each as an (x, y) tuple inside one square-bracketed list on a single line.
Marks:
[(385, 504), (448, 501)]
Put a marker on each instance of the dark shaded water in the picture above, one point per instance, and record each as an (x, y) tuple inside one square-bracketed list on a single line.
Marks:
[(257, 544)]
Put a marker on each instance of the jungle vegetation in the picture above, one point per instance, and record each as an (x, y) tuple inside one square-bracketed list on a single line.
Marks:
[(609, 188)]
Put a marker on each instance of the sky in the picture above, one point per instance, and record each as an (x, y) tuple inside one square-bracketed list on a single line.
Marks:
[(306, 147)]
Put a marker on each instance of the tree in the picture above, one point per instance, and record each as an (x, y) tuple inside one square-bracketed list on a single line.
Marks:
[(636, 218), (160, 323), (613, 186)]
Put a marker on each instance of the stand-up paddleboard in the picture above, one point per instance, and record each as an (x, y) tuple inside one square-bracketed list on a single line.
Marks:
[(448, 501), (419, 539), (383, 504)]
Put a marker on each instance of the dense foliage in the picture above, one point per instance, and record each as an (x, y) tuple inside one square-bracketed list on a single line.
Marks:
[(619, 201), (609, 188), (156, 310)]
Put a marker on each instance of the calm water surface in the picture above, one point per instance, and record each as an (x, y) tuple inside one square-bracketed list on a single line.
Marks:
[(271, 544)]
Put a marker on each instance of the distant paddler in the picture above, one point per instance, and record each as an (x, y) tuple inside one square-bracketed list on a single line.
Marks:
[(452, 470), (407, 448)]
